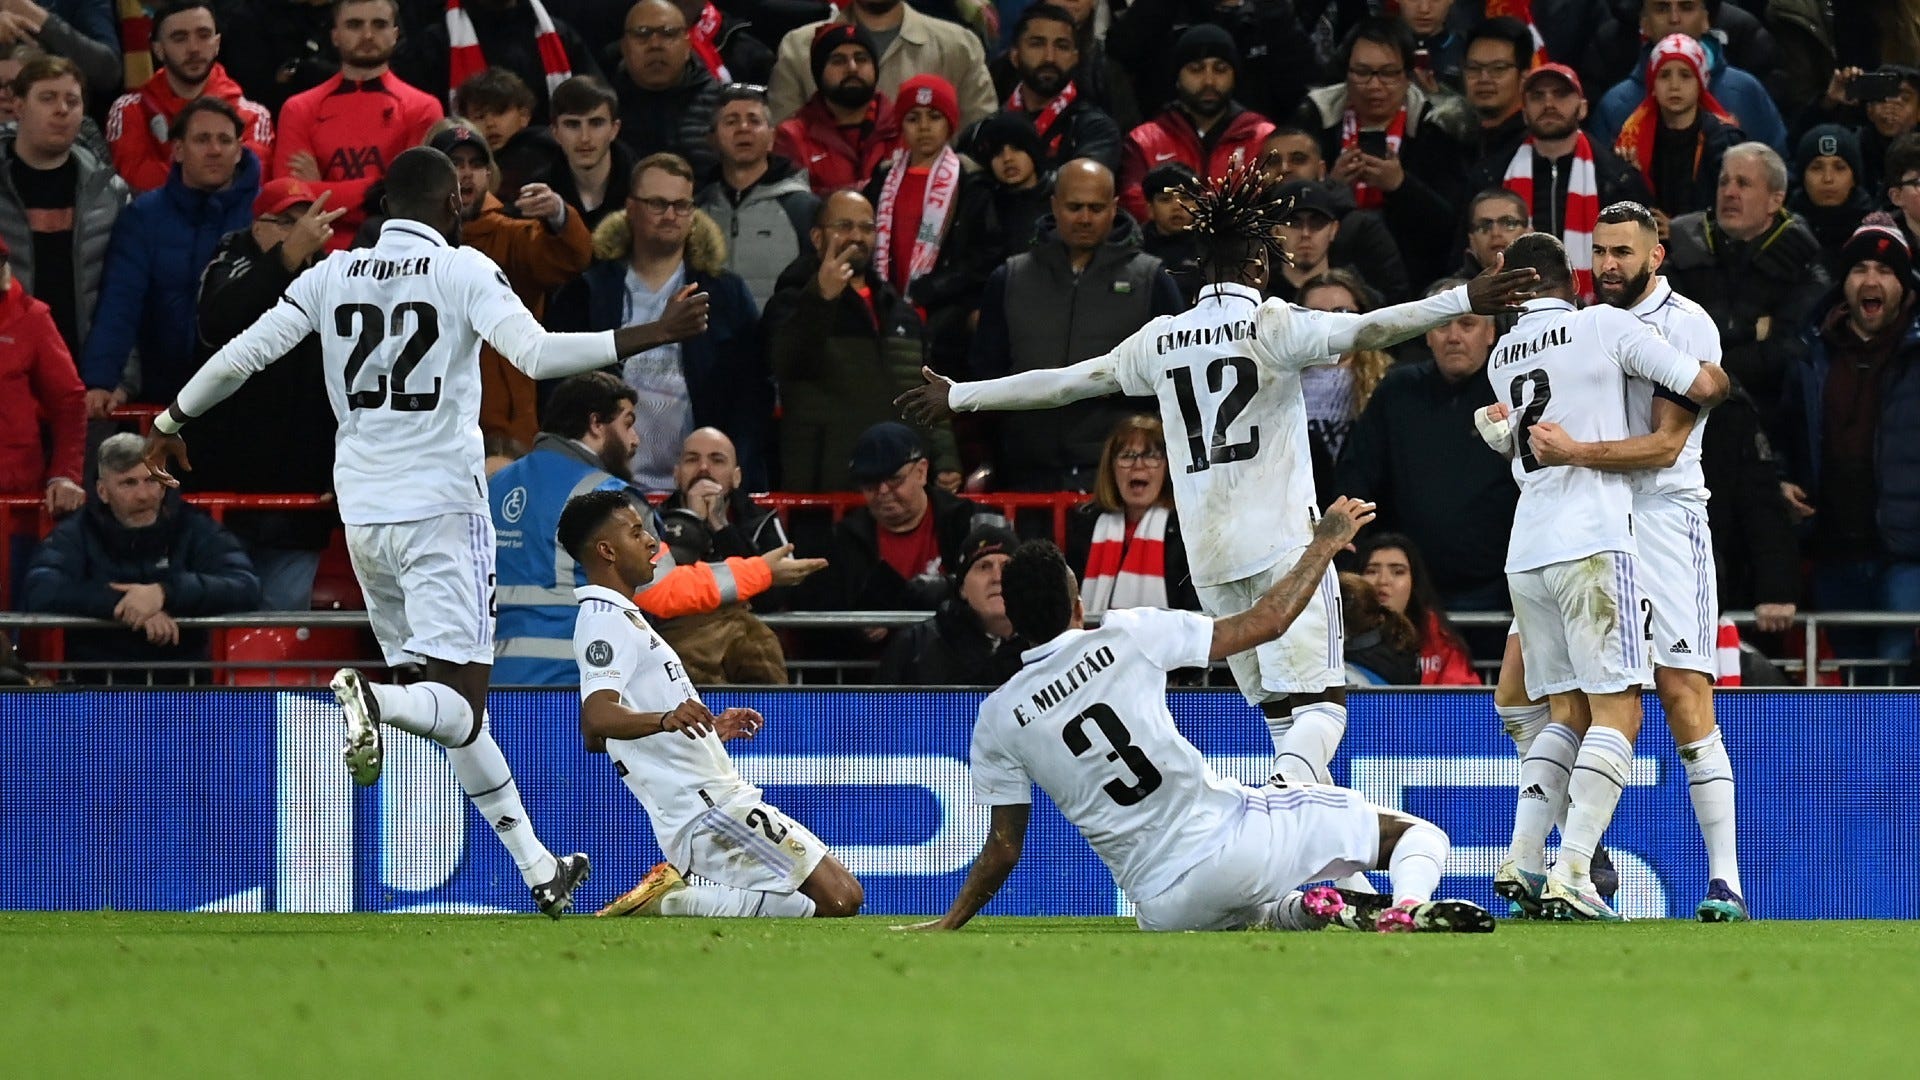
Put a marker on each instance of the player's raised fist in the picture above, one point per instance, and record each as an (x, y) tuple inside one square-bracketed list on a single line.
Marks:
[(1344, 519), (1497, 290), (164, 452), (927, 403)]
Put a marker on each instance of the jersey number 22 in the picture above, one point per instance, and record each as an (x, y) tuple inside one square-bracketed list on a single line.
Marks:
[(369, 326)]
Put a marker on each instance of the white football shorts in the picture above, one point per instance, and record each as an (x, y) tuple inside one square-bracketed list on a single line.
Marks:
[(1286, 837), (1676, 565), (749, 845), (1308, 658), (428, 586), (1582, 625)]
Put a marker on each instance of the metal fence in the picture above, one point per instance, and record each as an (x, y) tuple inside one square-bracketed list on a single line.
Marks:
[(231, 663)]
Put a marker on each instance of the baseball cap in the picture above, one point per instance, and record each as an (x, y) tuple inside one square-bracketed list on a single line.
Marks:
[(1309, 195), (983, 541), (461, 135), (882, 450), (1561, 70), (278, 196)]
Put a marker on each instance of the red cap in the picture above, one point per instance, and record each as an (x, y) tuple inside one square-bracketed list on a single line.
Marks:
[(1561, 70), (276, 196), (928, 91)]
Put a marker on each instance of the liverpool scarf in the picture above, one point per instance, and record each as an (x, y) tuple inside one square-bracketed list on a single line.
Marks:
[(1636, 139), (1124, 573), (705, 46), (465, 60), (1583, 205), (1366, 196), (943, 188), (1045, 119)]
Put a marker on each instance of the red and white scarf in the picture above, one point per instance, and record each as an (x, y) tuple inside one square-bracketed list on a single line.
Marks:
[(465, 59), (1045, 119), (943, 189), (1365, 195), (1583, 205), (1522, 10), (701, 37), (1123, 573), (1726, 654)]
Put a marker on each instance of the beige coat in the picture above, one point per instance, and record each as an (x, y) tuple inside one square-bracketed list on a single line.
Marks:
[(926, 45)]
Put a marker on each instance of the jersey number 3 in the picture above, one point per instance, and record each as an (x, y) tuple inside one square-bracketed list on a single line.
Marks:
[(1204, 453), (1529, 413), (1147, 779), (369, 326)]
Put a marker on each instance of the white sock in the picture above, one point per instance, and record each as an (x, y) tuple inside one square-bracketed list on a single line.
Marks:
[(1710, 786), (1419, 858), (1599, 776), (1302, 753), (1523, 723), (1543, 795), (727, 902), (430, 710), (483, 775), (1290, 913)]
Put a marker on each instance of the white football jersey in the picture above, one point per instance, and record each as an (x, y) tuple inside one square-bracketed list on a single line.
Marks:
[(1086, 718), (676, 778), (1227, 375), (1570, 367), (400, 327), (1688, 327)]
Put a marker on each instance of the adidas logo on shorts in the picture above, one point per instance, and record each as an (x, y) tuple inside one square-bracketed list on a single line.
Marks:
[(1679, 648)]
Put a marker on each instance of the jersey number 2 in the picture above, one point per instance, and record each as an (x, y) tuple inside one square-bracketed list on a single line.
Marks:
[(373, 327), (1204, 453), (1530, 413), (1147, 779)]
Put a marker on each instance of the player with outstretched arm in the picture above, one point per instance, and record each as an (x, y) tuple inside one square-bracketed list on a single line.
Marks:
[(1086, 718), (637, 706), (400, 327)]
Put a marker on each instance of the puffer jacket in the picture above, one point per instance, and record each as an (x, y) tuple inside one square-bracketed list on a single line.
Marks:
[(815, 143), (676, 120), (768, 228), (38, 387), (99, 198), (1171, 136), (149, 299)]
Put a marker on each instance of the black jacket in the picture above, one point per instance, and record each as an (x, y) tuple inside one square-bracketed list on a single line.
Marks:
[(752, 530), (1277, 62), (200, 564), (1777, 276), (1755, 554), (1104, 83), (950, 649), (1833, 226), (275, 434), (950, 293), (1415, 452), (677, 120), (857, 580), (565, 186), (1181, 593)]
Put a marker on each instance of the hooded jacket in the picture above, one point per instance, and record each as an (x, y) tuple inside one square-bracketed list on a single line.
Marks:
[(536, 260), (38, 386), (1171, 136), (770, 226), (161, 244), (138, 122), (99, 197), (728, 383)]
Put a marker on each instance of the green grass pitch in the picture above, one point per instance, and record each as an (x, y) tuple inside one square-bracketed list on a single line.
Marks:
[(111, 994)]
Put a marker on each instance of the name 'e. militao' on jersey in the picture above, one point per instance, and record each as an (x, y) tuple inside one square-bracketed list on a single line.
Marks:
[(1571, 367)]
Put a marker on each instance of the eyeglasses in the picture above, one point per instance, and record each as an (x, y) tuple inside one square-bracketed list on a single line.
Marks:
[(662, 207), (1484, 225), (1130, 458), (1383, 75), (1497, 69), (648, 33), (892, 483)]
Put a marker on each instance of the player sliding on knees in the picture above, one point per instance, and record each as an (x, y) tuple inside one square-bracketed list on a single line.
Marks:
[(400, 328), (1086, 718), (637, 706), (1227, 376)]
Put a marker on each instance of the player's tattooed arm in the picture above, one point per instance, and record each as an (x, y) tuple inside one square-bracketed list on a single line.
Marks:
[(1658, 449), (1006, 835), (1276, 609)]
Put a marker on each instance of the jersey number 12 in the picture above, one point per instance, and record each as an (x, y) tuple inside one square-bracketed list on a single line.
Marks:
[(1204, 453), (369, 326)]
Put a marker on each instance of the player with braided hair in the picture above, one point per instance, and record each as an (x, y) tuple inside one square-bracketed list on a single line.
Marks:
[(1227, 376)]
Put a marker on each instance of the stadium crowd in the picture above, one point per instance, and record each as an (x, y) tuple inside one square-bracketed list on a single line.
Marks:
[(869, 188)]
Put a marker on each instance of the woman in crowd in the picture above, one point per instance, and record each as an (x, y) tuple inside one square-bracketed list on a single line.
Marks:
[(1125, 544), (1383, 649), (1393, 567), (1830, 189), (1680, 132), (1335, 395)]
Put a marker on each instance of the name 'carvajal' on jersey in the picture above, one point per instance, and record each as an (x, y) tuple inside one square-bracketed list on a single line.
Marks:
[(1523, 350)]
